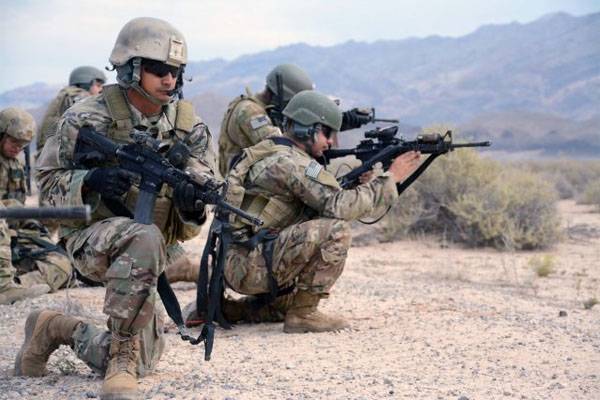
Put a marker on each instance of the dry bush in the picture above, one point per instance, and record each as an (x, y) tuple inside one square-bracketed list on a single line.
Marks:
[(591, 194), (479, 202), (543, 266), (570, 177)]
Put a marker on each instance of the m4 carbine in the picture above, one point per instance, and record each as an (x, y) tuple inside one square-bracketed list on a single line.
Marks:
[(155, 165), (382, 146)]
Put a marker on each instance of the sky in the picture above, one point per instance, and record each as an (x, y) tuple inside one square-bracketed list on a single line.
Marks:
[(43, 40)]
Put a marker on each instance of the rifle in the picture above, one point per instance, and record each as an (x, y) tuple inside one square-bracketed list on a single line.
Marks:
[(27, 154), (276, 112), (382, 146), (146, 157), (47, 213)]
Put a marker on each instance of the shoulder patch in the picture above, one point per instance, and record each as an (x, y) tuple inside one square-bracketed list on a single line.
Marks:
[(258, 121), (313, 169)]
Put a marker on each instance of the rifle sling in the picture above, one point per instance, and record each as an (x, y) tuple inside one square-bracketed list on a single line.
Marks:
[(401, 187)]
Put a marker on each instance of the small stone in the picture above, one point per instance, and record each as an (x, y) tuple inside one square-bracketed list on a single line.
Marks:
[(562, 313), (90, 395), (463, 398)]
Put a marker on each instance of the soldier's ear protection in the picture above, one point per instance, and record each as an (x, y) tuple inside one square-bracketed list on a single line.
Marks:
[(303, 132)]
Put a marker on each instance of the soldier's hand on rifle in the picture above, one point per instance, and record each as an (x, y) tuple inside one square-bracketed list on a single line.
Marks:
[(366, 177), (404, 165), (186, 199), (355, 118), (110, 182)]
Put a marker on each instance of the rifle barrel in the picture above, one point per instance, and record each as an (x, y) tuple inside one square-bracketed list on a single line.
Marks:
[(47, 213), (475, 144)]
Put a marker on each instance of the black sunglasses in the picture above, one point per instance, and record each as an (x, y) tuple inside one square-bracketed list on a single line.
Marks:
[(327, 131), (160, 69)]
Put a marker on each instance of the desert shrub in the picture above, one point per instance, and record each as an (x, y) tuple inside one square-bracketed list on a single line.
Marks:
[(543, 265), (570, 177), (480, 202), (591, 194)]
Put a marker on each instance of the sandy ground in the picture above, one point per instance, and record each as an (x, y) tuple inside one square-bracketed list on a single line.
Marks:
[(429, 322)]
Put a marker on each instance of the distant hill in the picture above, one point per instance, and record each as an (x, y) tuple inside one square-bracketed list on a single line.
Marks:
[(514, 82)]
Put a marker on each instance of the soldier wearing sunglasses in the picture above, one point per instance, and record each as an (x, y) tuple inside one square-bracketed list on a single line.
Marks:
[(127, 257)]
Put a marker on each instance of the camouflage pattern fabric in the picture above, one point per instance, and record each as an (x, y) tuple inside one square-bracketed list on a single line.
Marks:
[(314, 252), (245, 124), (128, 257), (64, 99), (314, 232), (61, 184), (13, 189), (7, 271), (53, 268)]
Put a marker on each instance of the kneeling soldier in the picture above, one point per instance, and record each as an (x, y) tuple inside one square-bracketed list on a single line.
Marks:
[(306, 214)]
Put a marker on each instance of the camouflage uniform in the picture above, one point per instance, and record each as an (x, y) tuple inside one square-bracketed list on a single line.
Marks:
[(246, 122), (52, 268), (64, 99), (127, 256), (303, 202), (7, 271)]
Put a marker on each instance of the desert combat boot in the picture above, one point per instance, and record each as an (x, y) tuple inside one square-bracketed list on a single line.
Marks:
[(304, 317), (120, 381), (44, 332)]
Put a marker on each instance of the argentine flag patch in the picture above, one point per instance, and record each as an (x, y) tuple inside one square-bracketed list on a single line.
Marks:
[(313, 169)]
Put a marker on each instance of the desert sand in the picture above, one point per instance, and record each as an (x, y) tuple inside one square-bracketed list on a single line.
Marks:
[(429, 321)]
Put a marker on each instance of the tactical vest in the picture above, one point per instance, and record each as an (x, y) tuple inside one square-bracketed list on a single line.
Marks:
[(55, 110), (229, 113), (165, 215), (275, 213)]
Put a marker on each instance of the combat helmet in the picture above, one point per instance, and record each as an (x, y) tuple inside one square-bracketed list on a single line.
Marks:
[(17, 123), (152, 39), (84, 76), (308, 108), (292, 80)]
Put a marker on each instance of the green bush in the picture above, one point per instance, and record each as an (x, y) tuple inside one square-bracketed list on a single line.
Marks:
[(478, 202), (543, 265)]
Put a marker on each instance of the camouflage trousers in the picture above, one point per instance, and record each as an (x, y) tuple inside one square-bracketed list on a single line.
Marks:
[(312, 254), (53, 269), (128, 258)]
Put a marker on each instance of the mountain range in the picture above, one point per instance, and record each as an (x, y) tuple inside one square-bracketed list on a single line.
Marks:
[(524, 86)]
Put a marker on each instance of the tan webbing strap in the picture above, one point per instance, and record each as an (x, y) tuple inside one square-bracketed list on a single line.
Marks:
[(119, 112), (185, 119)]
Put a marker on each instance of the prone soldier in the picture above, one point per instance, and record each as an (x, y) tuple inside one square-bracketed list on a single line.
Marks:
[(149, 56)]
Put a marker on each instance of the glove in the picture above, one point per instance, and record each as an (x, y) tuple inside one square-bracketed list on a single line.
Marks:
[(355, 118), (110, 182), (186, 199)]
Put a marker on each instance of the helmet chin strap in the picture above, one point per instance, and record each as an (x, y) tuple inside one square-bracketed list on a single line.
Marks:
[(136, 78)]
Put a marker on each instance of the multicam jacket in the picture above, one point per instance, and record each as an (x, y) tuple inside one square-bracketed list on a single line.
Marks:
[(245, 123), (283, 185), (61, 181), (63, 100)]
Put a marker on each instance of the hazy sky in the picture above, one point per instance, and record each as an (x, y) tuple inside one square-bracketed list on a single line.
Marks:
[(42, 40)]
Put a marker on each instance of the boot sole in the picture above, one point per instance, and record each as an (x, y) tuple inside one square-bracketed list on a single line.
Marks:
[(30, 324)]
